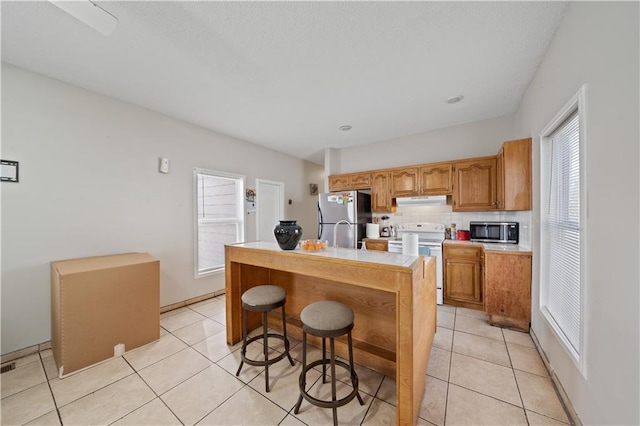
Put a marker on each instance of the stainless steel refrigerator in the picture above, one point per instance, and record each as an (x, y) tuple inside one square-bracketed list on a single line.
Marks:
[(354, 207)]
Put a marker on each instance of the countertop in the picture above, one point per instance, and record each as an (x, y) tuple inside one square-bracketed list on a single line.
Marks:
[(486, 246), (370, 256), (493, 246)]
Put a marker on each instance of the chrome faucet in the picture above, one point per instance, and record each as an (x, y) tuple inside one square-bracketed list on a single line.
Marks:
[(335, 231)]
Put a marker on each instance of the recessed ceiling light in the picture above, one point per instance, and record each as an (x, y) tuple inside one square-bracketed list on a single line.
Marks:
[(455, 99), (345, 128)]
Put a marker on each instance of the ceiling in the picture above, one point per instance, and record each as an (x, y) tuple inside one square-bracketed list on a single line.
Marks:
[(287, 75)]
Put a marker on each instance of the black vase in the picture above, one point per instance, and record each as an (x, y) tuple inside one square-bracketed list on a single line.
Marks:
[(288, 233)]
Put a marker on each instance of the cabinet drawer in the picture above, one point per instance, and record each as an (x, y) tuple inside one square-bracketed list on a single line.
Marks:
[(463, 251)]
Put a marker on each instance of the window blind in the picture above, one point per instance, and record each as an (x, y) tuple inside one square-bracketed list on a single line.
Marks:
[(219, 218), (560, 233)]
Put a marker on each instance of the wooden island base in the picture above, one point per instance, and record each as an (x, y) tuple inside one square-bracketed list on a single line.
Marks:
[(393, 298)]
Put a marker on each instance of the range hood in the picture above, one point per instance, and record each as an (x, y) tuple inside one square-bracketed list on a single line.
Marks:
[(432, 200)]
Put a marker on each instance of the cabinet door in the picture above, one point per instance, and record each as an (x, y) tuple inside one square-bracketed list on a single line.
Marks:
[(500, 179), (404, 182), (360, 181), (475, 185), (463, 280), (514, 175), (380, 194), (508, 289), (339, 183), (436, 179)]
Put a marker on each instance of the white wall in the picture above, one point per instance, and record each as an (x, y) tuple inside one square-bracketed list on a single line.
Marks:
[(465, 141), (597, 44), (89, 186)]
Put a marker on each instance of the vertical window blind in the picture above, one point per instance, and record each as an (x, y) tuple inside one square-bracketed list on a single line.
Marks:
[(219, 218), (560, 232)]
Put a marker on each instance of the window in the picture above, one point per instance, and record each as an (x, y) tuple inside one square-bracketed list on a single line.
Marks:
[(219, 218), (562, 225)]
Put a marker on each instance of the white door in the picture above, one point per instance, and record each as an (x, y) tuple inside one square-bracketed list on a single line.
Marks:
[(269, 206)]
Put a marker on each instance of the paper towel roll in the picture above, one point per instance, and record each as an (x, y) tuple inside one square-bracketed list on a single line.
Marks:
[(410, 244), (373, 230)]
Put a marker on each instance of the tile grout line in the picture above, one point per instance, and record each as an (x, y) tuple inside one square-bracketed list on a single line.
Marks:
[(152, 390), (511, 368), (373, 399), (446, 396), (53, 397), (524, 409)]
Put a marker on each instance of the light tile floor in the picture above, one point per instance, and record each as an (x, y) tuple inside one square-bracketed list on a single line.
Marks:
[(477, 375)]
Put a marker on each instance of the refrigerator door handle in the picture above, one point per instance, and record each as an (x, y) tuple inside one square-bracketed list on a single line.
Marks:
[(319, 221)]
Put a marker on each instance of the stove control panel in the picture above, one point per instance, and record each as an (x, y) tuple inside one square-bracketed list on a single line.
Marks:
[(420, 227)]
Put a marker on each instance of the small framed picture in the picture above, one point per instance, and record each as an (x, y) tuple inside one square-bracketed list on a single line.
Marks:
[(313, 188), (9, 171)]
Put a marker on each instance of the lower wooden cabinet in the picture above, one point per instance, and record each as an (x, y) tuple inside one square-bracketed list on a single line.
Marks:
[(508, 289), (463, 275), (376, 244)]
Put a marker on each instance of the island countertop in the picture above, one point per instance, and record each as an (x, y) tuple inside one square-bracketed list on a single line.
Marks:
[(393, 298), (371, 256)]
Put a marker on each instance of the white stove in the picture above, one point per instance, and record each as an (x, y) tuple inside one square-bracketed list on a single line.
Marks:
[(430, 235)]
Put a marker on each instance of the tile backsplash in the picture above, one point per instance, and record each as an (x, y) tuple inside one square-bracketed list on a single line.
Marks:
[(445, 215)]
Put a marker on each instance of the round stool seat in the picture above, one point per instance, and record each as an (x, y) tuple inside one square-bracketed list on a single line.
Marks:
[(327, 316), (264, 295)]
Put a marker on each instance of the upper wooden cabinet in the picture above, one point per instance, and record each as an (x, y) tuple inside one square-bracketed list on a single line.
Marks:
[(500, 182), (436, 179), (380, 192), (350, 181), (429, 179), (338, 182), (474, 184), (513, 185), (405, 182)]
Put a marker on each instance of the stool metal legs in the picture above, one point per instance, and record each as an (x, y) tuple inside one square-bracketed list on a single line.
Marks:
[(302, 382), (265, 345)]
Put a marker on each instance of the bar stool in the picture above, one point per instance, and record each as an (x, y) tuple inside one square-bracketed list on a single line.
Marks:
[(327, 319), (264, 298)]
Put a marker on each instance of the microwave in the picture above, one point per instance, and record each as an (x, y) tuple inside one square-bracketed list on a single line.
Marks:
[(494, 232)]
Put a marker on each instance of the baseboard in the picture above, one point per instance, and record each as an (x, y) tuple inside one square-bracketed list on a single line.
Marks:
[(191, 301), (564, 398)]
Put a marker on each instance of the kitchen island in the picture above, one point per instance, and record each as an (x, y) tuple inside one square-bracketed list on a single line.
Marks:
[(393, 298)]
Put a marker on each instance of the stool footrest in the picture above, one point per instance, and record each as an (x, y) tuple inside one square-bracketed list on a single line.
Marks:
[(325, 403), (262, 363)]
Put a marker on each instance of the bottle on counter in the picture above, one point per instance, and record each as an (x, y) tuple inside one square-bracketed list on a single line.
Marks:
[(454, 232), (447, 233)]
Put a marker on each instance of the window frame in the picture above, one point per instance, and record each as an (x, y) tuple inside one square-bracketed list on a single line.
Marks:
[(240, 219), (576, 103)]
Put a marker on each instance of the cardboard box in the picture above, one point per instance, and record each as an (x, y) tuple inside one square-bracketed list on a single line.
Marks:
[(103, 306)]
